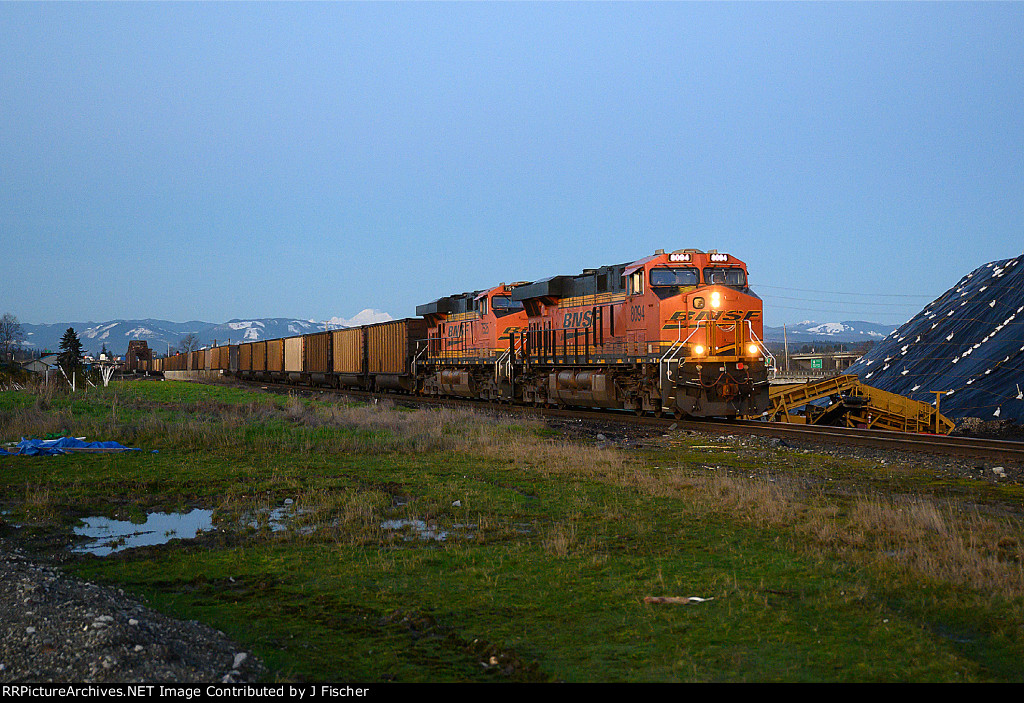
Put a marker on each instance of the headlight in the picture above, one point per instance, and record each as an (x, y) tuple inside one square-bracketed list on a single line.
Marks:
[(752, 349), (716, 299), (698, 350)]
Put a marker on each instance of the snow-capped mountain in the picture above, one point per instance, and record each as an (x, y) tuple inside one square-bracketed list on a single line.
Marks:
[(162, 334), (846, 332)]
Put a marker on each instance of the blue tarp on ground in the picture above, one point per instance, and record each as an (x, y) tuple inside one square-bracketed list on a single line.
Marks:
[(52, 447), (969, 342)]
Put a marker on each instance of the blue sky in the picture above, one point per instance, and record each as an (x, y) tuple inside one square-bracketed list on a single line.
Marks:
[(236, 160)]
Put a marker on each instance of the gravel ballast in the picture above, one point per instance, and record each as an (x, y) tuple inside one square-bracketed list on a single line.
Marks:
[(60, 629)]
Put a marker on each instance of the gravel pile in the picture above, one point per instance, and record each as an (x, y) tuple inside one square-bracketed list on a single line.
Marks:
[(55, 628)]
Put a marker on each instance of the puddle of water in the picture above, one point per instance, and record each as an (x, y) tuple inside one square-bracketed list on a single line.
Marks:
[(109, 536), (418, 526), (277, 519)]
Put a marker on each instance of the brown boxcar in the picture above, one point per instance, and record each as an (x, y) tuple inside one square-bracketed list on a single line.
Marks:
[(349, 356), (317, 353), (293, 355), (259, 356), (275, 355), (245, 357), (390, 347), (222, 357)]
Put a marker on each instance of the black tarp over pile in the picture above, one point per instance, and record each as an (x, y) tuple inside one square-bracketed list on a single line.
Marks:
[(969, 341)]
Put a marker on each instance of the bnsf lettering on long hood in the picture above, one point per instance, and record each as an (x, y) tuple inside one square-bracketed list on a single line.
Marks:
[(578, 319)]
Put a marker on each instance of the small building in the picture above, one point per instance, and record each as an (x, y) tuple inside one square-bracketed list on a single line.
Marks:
[(45, 363), (35, 366)]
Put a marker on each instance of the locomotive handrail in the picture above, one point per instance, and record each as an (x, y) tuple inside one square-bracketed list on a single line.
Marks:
[(672, 349), (775, 368), (416, 357), (676, 347), (505, 360)]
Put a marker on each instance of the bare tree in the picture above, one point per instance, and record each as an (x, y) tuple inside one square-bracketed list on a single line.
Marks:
[(190, 342), (11, 333)]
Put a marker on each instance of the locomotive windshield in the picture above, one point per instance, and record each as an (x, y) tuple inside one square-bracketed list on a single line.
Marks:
[(725, 277), (674, 277), (505, 303)]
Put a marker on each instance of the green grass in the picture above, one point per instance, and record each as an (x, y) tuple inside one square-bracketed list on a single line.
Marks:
[(819, 568)]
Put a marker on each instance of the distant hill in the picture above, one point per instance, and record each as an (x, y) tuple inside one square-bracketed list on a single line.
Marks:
[(160, 334), (847, 332)]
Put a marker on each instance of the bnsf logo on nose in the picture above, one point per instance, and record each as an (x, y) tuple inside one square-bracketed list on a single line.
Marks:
[(578, 319), (721, 316)]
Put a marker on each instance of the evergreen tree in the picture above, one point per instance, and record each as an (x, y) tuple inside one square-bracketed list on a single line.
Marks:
[(70, 351)]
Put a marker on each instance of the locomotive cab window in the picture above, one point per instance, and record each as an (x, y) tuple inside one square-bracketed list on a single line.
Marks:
[(504, 303), (735, 277), (483, 307), (635, 283), (676, 277)]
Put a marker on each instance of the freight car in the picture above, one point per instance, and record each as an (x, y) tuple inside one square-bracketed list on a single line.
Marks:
[(675, 333)]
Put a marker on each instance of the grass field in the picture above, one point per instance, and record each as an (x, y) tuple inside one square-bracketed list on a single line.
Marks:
[(817, 568)]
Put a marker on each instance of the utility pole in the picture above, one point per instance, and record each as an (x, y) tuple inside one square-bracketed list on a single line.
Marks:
[(785, 341)]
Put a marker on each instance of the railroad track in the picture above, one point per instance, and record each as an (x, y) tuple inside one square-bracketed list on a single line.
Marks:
[(962, 447)]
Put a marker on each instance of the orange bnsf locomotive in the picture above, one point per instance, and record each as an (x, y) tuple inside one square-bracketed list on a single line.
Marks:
[(676, 333), (470, 340)]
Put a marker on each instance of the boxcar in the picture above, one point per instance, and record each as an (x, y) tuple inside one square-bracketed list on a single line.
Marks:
[(390, 348)]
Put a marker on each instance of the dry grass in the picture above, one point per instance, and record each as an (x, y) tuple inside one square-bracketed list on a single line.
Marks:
[(39, 504), (560, 539), (942, 541), (923, 538)]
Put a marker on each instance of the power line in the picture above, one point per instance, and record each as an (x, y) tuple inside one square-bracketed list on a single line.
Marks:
[(832, 292), (840, 302), (835, 311)]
